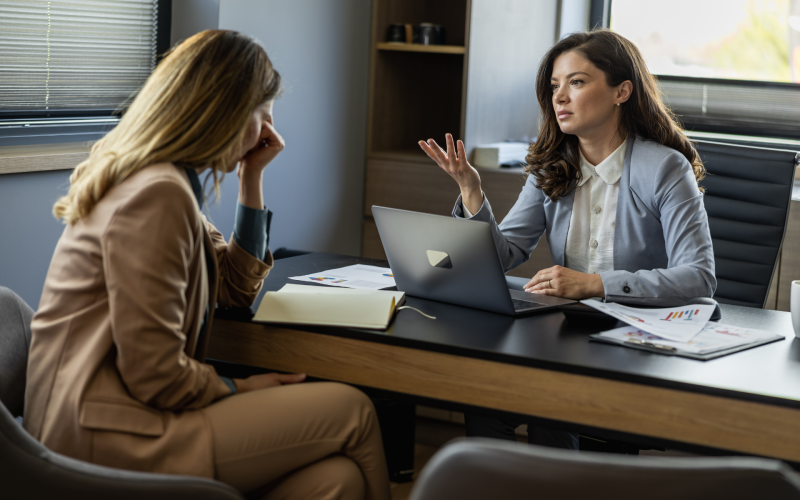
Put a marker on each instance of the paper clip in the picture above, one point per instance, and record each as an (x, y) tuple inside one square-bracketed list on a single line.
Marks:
[(660, 347)]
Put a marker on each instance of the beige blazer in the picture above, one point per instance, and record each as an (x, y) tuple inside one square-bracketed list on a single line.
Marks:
[(113, 374)]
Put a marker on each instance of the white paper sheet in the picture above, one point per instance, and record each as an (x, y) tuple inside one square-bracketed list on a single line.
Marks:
[(674, 323), (357, 276), (713, 337)]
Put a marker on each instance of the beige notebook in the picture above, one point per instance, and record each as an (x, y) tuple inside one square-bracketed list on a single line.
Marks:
[(316, 305)]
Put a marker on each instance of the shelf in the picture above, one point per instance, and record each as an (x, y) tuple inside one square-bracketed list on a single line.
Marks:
[(17, 159), (416, 47)]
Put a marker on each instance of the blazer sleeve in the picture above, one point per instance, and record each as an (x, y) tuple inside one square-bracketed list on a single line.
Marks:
[(240, 273), (678, 203), (519, 233), (147, 249)]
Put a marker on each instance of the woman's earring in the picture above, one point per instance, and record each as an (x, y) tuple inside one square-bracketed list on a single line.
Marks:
[(617, 104)]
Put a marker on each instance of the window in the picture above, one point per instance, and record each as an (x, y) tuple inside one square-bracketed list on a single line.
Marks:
[(724, 65), (68, 67)]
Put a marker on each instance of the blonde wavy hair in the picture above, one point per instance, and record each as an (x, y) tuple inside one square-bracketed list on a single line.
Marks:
[(191, 112)]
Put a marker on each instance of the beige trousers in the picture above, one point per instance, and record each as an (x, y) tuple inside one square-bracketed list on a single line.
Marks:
[(317, 440)]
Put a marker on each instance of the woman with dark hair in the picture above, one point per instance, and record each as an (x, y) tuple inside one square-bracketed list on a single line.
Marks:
[(613, 181), (115, 373)]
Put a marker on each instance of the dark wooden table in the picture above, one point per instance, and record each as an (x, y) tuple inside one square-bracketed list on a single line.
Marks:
[(542, 366)]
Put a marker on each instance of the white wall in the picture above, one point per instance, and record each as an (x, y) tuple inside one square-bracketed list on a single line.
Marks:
[(193, 16), (315, 187), (574, 16)]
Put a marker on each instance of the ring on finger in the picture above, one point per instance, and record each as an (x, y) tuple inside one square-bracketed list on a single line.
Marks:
[(548, 284)]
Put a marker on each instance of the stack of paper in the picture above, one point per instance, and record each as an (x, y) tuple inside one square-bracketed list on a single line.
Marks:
[(677, 330), (712, 338), (357, 276), (312, 305), (675, 323)]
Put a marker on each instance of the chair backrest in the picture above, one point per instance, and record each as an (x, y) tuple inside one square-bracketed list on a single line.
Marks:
[(748, 193), (15, 339), (473, 469), (29, 470)]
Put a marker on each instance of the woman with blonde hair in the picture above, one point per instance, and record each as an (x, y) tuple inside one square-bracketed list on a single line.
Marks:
[(116, 374)]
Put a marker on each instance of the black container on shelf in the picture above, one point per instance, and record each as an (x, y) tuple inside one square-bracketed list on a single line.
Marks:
[(396, 33), (429, 34)]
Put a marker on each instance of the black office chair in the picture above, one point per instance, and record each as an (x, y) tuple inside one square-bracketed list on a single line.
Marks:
[(748, 193), (477, 469), (29, 470), (747, 198)]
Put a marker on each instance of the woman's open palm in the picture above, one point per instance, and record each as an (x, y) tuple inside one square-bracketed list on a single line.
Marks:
[(454, 162)]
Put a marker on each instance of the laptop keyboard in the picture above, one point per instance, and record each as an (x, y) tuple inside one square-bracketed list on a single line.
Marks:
[(524, 304)]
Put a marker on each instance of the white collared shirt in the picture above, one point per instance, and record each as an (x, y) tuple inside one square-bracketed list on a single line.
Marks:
[(590, 238)]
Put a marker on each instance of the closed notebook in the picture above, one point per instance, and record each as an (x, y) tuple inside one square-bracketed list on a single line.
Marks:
[(315, 305)]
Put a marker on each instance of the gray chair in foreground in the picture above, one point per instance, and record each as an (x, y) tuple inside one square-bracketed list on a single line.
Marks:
[(748, 193), (478, 469), (29, 470)]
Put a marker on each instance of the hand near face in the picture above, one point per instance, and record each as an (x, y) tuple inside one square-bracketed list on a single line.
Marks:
[(563, 282), (260, 145), (269, 145)]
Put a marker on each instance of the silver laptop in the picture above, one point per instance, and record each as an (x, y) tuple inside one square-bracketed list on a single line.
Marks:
[(451, 260)]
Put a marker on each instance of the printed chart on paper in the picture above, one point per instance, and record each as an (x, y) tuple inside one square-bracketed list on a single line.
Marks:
[(674, 323), (358, 276)]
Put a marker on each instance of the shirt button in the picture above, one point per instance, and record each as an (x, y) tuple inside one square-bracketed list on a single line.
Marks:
[(596, 209), (626, 289), (593, 244)]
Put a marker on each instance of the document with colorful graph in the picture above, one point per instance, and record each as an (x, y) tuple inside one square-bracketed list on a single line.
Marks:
[(674, 323), (714, 337), (358, 276)]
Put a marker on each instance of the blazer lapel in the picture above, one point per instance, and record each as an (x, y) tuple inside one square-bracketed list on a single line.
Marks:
[(212, 271), (558, 228), (624, 201)]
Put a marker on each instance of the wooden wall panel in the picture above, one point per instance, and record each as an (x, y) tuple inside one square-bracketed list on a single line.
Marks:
[(371, 246), (417, 186), (424, 187), (421, 186), (414, 96)]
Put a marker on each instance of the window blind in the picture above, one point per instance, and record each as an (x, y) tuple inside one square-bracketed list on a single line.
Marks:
[(74, 54), (739, 105)]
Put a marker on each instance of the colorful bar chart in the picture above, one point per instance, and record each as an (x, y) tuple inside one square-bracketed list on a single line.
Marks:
[(680, 315)]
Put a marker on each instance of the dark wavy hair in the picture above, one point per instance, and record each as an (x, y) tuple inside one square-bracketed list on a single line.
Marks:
[(554, 159)]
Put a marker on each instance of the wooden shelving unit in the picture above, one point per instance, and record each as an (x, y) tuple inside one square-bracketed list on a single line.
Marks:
[(479, 88), (416, 47)]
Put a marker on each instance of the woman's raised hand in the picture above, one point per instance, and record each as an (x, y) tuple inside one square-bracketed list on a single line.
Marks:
[(454, 162)]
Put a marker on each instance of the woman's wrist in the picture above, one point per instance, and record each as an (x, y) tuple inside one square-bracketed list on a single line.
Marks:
[(473, 200), (250, 190), (599, 290)]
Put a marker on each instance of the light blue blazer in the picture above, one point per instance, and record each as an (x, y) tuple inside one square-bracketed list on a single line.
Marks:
[(662, 245)]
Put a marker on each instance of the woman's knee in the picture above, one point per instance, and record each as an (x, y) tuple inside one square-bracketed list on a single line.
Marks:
[(348, 398)]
